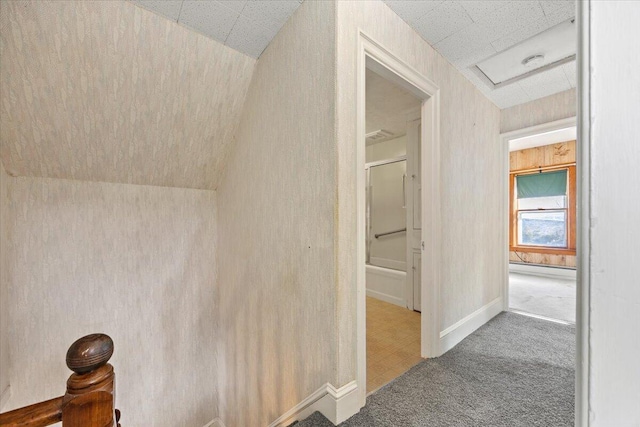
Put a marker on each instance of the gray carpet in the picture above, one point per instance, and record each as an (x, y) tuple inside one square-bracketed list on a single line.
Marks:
[(515, 371)]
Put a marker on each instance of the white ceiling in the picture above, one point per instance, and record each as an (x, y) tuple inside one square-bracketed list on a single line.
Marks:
[(465, 32), (469, 31), (387, 105), (247, 26)]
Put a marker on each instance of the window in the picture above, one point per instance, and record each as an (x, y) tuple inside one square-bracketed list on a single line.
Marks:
[(543, 210)]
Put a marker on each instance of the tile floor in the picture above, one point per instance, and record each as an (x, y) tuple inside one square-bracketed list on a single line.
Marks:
[(552, 298), (393, 342)]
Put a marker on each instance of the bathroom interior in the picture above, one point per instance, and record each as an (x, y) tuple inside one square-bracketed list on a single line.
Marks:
[(393, 230)]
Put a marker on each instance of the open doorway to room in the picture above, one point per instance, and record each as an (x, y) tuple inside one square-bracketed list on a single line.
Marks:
[(392, 230), (542, 221), (398, 195)]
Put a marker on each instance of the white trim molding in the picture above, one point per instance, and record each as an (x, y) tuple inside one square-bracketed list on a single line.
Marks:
[(336, 404), (583, 241), (543, 271), (372, 55), (455, 333)]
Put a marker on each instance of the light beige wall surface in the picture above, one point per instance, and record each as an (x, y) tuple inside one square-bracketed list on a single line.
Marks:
[(4, 286), (135, 262), (276, 309), (471, 163), (108, 91), (544, 110)]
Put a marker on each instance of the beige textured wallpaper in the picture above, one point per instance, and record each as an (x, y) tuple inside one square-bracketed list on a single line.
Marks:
[(276, 305), (543, 110), (107, 91), (135, 262), (4, 287), (471, 165)]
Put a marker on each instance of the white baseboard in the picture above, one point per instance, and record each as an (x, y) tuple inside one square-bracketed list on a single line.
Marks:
[(451, 336), (216, 422), (386, 298), (336, 405), (4, 397), (544, 271)]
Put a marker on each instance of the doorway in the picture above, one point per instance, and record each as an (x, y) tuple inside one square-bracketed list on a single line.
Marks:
[(392, 311), (541, 277), (373, 58)]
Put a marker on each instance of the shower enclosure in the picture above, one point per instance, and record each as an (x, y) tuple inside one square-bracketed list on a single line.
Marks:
[(386, 224)]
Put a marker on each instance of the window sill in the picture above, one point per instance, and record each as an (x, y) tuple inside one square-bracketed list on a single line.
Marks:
[(542, 250)]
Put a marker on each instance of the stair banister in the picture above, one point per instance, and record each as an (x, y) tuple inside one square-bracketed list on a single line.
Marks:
[(90, 397)]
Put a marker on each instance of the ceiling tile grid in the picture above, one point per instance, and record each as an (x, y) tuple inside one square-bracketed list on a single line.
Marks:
[(245, 25), (466, 32)]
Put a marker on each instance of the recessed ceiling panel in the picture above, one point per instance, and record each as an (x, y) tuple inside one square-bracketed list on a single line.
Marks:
[(548, 47)]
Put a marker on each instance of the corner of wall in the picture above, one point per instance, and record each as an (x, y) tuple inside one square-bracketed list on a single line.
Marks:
[(4, 320)]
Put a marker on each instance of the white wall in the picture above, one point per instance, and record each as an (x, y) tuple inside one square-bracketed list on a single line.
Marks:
[(135, 262), (615, 209), (471, 162), (276, 311)]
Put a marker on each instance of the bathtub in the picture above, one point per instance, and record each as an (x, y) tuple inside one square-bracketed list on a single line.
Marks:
[(387, 285)]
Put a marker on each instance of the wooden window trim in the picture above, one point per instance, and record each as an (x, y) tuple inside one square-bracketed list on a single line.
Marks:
[(571, 213)]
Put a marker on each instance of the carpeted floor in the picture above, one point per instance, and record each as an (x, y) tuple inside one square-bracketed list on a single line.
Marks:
[(515, 371)]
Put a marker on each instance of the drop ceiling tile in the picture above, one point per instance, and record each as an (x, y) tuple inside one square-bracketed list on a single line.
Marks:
[(570, 71), (271, 10), (545, 83), (236, 5), (475, 57), (514, 16), (412, 10), (560, 15), (464, 43), (565, 7), (523, 33), (442, 21), (249, 37), (208, 17), (480, 10), (167, 8)]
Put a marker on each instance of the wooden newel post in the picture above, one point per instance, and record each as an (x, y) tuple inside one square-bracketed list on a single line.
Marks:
[(90, 396)]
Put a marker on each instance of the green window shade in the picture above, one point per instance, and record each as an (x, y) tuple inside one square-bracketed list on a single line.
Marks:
[(544, 184)]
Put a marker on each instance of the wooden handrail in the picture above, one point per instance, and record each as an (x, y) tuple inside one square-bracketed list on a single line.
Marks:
[(37, 415), (90, 397)]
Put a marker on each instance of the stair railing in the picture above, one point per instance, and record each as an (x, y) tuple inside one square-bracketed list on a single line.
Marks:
[(90, 397)]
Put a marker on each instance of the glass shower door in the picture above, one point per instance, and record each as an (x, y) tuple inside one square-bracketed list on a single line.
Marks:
[(386, 216)]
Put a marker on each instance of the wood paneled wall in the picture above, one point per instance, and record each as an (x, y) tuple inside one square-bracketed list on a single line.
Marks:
[(561, 153)]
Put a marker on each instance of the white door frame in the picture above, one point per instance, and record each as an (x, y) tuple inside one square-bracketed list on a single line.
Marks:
[(374, 56), (583, 242)]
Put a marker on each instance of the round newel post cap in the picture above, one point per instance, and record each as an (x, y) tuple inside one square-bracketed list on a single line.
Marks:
[(89, 353)]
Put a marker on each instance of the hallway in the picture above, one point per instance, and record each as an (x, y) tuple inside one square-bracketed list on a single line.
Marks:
[(514, 371)]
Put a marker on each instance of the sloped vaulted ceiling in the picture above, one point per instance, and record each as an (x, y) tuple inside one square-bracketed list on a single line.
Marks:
[(107, 91)]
